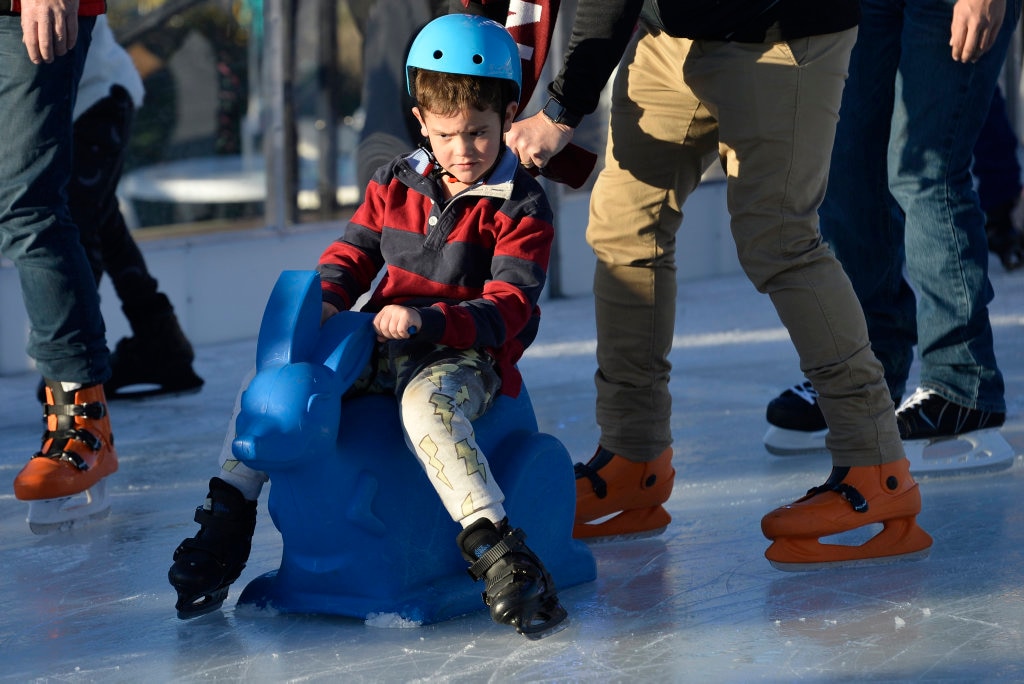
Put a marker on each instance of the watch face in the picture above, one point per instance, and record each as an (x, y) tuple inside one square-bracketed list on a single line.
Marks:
[(555, 111)]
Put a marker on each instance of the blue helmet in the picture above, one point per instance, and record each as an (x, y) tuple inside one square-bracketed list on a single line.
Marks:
[(465, 44)]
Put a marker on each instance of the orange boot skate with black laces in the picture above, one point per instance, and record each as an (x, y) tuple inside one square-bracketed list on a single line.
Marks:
[(632, 493), (64, 481), (852, 498)]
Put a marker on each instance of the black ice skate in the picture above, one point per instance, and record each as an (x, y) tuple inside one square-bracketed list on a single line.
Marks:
[(156, 360), (943, 438), (519, 591), (795, 422), (205, 565)]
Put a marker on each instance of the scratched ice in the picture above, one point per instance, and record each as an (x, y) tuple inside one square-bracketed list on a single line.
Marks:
[(699, 603)]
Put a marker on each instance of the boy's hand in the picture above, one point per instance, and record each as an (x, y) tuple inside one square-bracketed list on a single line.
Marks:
[(395, 322)]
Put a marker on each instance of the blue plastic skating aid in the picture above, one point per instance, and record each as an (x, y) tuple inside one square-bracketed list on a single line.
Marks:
[(364, 531)]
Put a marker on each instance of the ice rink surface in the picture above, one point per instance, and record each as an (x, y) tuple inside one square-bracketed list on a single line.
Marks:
[(696, 604)]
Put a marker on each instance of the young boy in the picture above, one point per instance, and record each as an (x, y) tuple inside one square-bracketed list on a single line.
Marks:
[(465, 235)]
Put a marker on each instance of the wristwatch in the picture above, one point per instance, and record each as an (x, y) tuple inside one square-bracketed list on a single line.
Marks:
[(558, 114)]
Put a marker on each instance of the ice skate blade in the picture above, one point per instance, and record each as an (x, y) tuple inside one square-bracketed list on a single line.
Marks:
[(200, 604), (553, 622), (859, 562), (46, 516), (141, 391), (974, 453), (782, 442), (638, 523)]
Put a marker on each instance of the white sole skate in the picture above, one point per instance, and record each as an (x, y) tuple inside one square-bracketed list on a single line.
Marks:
[(782, 442), (46, 516), (978, 452)]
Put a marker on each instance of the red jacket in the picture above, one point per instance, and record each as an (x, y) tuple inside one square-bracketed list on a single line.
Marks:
[(86, 8), (473, 266)]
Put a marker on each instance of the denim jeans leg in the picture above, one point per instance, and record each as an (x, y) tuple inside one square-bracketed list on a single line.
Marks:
[(940, 107), (859, 217), (66, 336)]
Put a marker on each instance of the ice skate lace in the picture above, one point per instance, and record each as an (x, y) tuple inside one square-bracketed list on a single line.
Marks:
[(805, 391), (918, 398)]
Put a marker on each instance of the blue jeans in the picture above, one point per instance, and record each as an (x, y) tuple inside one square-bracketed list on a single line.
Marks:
[(66, 336), (900, 194)]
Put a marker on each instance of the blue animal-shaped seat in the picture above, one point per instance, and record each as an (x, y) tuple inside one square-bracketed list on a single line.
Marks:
[(364, 531)]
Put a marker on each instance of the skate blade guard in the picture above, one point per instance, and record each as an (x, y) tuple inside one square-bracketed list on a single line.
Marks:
[(970, 453), (46, 516), (365, 535)]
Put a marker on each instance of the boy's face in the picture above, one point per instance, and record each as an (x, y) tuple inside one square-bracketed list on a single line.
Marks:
[(466, 144)]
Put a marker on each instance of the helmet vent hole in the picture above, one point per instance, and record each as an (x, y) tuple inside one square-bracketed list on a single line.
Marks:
[(438, 54), (477, 59)]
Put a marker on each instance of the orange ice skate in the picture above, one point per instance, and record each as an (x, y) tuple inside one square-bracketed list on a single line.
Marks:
[(632, 493), (852, 498), (64, 481)]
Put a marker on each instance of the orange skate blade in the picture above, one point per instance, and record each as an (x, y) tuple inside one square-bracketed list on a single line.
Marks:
[(899, 540), (46, 516), (638, 523), (975, 453)]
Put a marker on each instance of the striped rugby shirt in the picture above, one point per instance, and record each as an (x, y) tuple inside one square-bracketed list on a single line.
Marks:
[(473, 266)]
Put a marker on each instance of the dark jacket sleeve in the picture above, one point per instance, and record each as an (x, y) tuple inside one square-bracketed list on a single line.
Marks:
[(600, 33)]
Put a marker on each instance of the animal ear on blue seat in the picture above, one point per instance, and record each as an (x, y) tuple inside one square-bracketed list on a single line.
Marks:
[(345, 343), (291, 320)]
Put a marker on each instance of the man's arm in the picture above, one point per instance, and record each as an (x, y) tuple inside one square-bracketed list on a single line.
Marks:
[(600, 33), (49, 28)]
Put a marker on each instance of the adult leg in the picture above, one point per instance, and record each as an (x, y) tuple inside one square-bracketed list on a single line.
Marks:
[(940, 108), (660, 139), (997, 170), (66, 335), (158, 358), (777, 167)]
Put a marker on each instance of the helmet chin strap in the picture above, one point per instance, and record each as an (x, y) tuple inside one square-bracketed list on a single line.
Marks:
[(442, 173)]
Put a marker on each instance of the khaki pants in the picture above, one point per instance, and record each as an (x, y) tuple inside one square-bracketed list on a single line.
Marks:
[(768, 112)]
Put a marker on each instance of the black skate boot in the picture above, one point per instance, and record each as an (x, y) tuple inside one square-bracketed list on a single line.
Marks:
[(795, 422), (156, 360), (205, 565), (941, 437), (519, 591)]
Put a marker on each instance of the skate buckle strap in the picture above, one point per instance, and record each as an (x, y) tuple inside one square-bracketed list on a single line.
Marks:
[(596, 481), (847, 491), (63, 455), (94, 410), (491, 556)]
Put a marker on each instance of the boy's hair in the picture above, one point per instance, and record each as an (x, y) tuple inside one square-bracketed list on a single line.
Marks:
[(446, 94)]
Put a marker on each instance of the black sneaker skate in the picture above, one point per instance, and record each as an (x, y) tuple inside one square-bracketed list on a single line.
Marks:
[(156, 360), (205, 565), (519, 591), (795, 422), (942, 437)]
